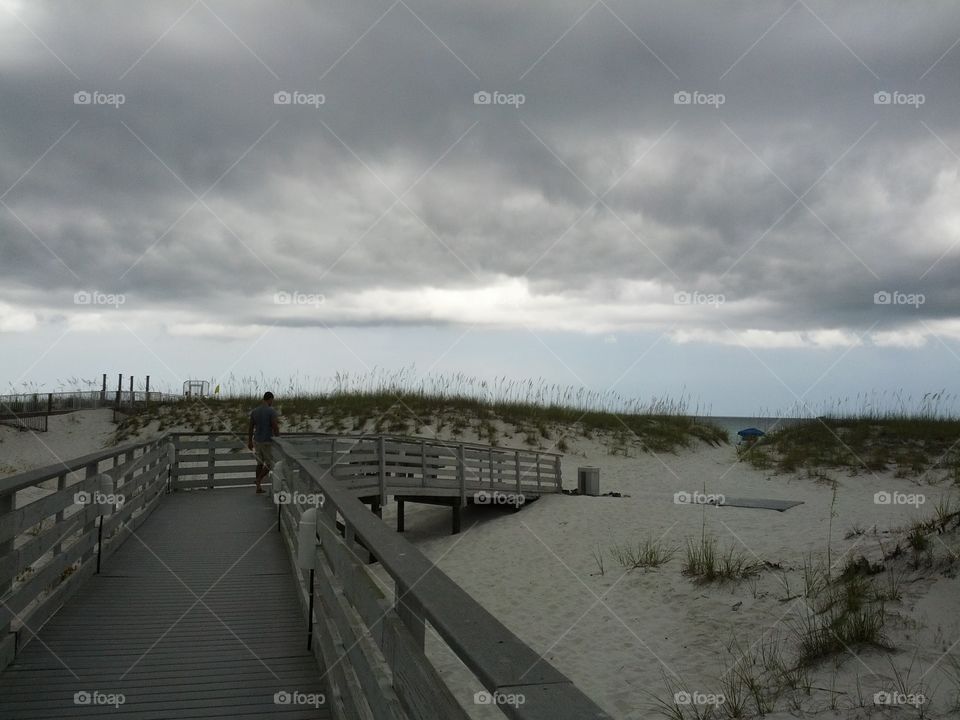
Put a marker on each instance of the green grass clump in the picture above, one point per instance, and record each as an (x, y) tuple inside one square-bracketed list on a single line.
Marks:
[(647, 553), (707, 562)]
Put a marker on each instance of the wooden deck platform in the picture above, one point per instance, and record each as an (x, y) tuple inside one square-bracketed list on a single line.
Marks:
[(195, 616)]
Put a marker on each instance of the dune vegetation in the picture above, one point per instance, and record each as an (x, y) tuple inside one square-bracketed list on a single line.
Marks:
[(541, 414), (909, 437)]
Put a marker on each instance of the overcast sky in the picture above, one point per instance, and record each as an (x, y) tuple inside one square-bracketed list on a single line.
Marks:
[(753, 203)]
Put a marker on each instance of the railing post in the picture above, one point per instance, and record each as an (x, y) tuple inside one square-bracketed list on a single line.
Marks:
[(7, 640), (538, 475), (91, 471), (61, 485), (211, 460), (490, 463), (423, 463), (557, 471), (175, 463), (382, 452), (461, 475), (122, 478), (516, 462), (411, 613)]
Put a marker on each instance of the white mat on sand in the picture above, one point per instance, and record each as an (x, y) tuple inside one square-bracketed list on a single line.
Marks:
[(760, 503)]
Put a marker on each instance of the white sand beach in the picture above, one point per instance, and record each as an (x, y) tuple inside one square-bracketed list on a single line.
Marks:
[(618, 633)]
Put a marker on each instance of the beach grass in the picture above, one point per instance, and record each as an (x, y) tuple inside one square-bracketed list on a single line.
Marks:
[(541, 414), (909, 446)]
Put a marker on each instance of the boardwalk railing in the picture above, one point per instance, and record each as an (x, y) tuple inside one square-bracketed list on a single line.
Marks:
[(389, 674), (370, 640), (376, 465), (57, 522)]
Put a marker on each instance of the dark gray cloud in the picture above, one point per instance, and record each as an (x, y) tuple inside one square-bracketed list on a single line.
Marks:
[(199, 194)]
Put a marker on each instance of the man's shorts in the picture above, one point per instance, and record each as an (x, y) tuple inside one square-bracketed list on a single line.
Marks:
[(264, 453)]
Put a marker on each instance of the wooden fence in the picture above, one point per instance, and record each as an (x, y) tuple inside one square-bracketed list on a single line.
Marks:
[(29, 411), (50, 537)]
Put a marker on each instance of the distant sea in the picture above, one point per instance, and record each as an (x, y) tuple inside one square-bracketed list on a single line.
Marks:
[(733, 424)]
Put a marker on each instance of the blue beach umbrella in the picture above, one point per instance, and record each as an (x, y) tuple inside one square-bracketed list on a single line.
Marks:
[(751, 432)]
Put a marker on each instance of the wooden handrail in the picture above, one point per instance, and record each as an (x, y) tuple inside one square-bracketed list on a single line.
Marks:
[(500, 660)]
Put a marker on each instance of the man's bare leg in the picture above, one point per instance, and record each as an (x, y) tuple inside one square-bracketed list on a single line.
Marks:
[(262, 471)]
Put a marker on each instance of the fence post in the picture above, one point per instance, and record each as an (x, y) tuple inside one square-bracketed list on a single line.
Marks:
[(103, 390), (147, 401), (49, 403), (116, 404), (131, 392), (557, 471), (538, 475)]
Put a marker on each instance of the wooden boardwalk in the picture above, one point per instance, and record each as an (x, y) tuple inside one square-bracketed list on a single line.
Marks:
[(200, 609), (195, 616)]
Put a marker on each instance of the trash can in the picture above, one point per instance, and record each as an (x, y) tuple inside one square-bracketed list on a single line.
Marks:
[(588, 481)]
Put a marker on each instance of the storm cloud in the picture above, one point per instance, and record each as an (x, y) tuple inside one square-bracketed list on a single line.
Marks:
[(778, 173)]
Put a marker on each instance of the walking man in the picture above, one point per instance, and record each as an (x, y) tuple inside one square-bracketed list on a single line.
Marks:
[(263, 428)]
